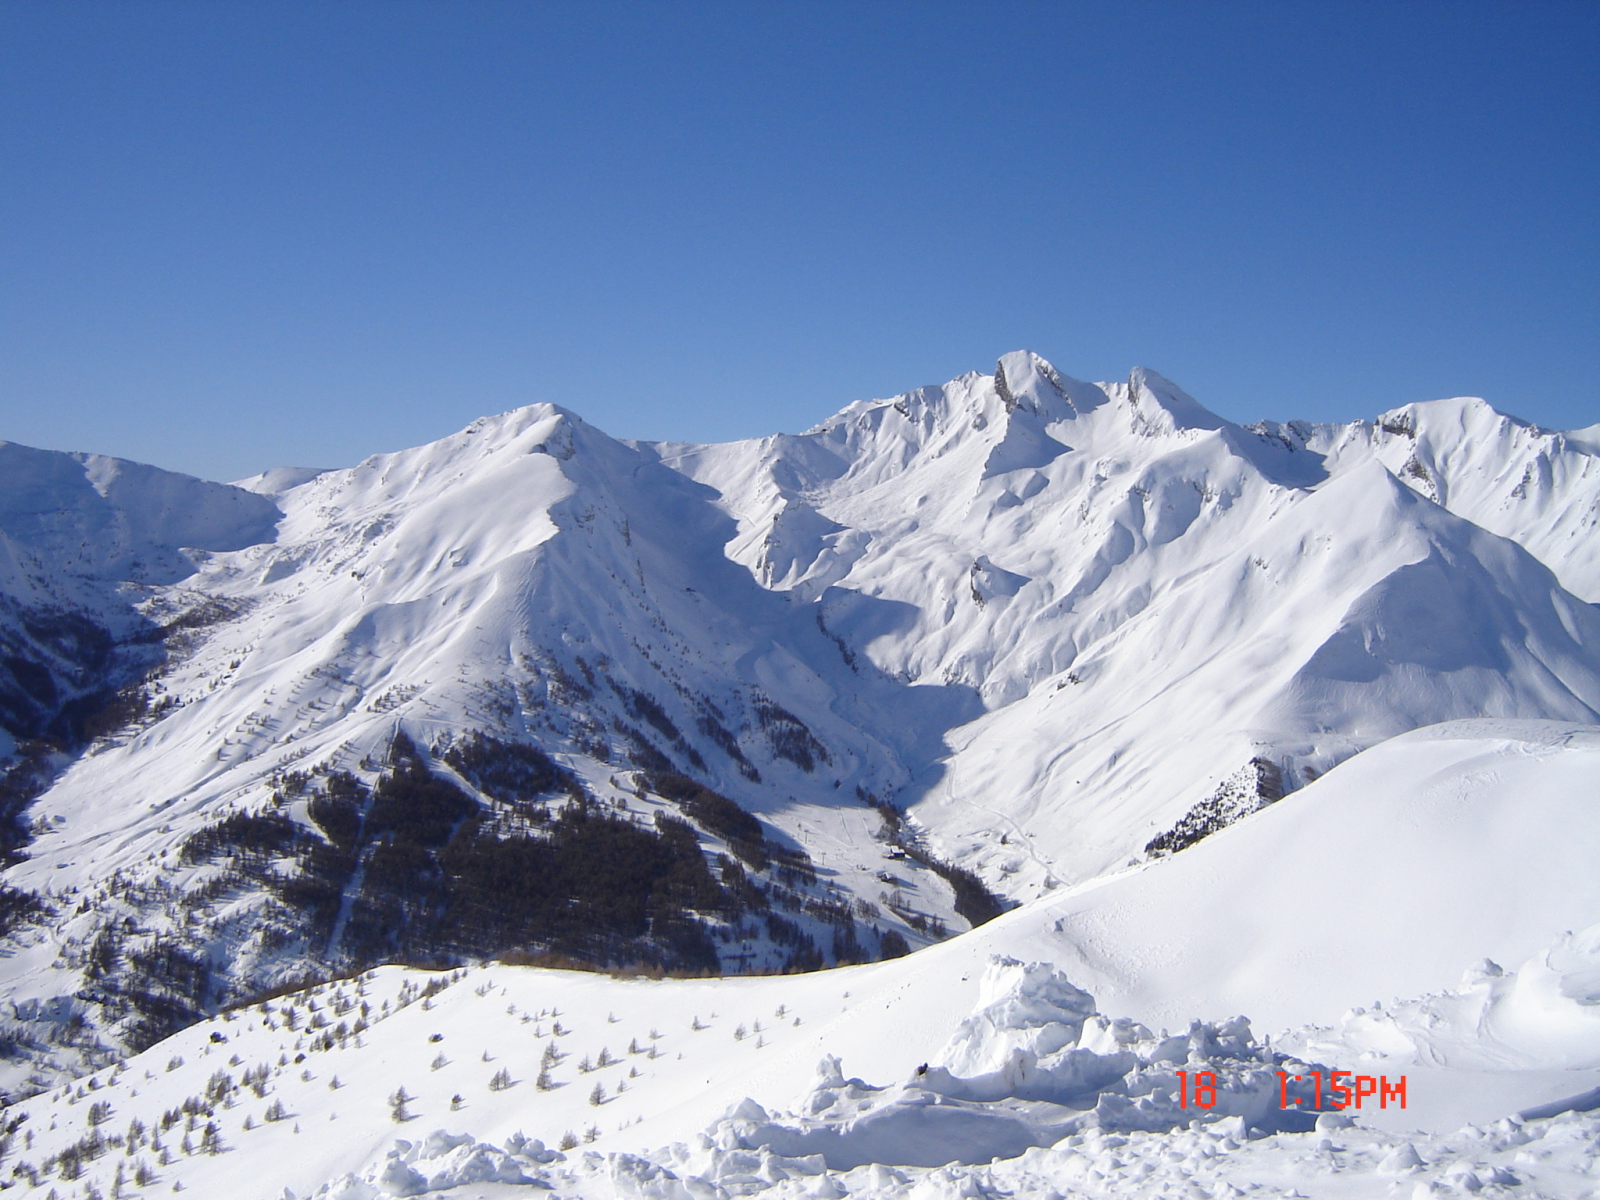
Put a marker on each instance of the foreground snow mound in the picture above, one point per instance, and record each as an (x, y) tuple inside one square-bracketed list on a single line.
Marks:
[(1022, 1009), (1544, 1014), (1034, 1064), (442, 1161), (1538, 1158)]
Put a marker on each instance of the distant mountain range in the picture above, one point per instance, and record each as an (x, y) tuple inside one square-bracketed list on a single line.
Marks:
[(533, 691)]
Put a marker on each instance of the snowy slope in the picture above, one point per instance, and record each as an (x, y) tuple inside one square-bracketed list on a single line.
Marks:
[(1388, 876), (1432, 815), (89, 516), (520, 576)]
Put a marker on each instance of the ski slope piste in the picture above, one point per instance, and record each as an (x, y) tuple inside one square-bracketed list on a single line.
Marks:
[(1421, 913)]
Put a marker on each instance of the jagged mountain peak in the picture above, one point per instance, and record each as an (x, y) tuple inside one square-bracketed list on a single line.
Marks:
[(1165, 407), (1024, 378), (1020, 417), (1053, 554)]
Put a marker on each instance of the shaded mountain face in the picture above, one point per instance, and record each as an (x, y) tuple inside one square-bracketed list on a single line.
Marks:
[(756, 706)]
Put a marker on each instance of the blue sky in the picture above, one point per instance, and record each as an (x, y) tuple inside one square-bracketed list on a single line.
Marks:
[(241, 235)]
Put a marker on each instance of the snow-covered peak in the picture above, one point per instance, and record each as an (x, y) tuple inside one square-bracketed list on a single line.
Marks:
[(1036, 385), (1452, 419), (1051, 544), (1163, 406), (108, 518), (277, 480), (1147, 403), (487, 444), (1539, 487)]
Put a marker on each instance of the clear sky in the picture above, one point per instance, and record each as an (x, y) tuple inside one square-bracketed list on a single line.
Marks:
[(236, 235)]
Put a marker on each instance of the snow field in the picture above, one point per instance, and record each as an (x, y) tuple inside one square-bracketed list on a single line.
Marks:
[(1387, 877)]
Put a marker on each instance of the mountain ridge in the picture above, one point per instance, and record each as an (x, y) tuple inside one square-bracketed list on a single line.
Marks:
[(1010, 633)]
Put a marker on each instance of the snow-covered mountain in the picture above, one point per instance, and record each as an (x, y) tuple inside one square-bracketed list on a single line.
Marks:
[(799, 700), (73, 527), (1169, 618)]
